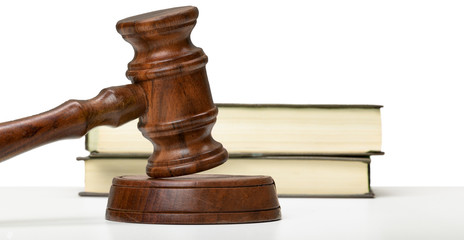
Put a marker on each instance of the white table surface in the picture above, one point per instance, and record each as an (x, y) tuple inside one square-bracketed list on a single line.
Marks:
[(396, 213)]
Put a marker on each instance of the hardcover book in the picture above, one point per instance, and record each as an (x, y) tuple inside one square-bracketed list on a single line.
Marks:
[(316, 176), (250, 129)]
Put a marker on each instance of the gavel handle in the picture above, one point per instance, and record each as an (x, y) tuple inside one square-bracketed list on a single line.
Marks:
[(112, 106)]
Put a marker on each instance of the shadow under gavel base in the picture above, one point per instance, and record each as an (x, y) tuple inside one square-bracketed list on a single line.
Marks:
[(193, 199)]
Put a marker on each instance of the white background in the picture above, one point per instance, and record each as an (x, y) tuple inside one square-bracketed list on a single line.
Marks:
[(406, 55)]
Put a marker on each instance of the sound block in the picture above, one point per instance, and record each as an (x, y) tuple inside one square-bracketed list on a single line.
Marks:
[(193, 199)]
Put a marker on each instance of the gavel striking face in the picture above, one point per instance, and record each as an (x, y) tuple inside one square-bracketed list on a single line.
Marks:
[(169, 93)]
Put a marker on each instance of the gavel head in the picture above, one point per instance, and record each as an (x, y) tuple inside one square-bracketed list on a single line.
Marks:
[(171, 71)]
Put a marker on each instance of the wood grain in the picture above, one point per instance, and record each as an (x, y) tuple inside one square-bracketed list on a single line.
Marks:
[(193, 199), (170, 93), (171, 70), (113, 106)]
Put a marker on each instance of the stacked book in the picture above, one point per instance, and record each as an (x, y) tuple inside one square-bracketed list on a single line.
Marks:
[(309, 150)]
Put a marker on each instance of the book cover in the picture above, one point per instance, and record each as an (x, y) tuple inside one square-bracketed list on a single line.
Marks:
[(270, 129), (308, 176)]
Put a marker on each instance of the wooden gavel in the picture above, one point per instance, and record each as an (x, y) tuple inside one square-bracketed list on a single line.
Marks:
[(170, 95)]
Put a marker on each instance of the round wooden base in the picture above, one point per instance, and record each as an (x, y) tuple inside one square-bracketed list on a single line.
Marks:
[(193, 199)]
